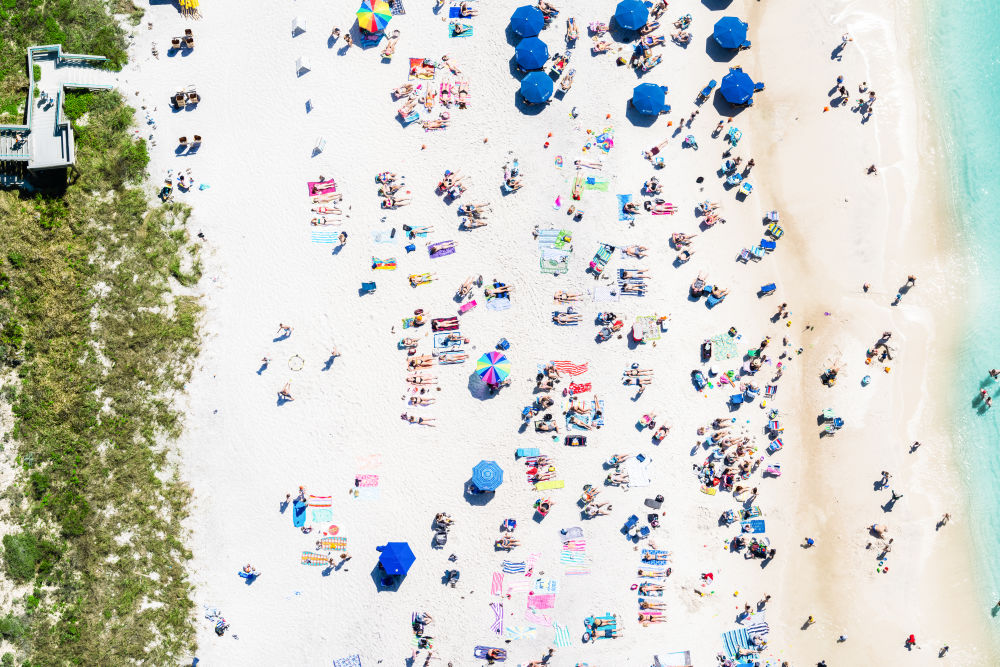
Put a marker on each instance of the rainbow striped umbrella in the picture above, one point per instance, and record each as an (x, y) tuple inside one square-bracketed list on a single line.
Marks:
[(493, 367), (374, 15)]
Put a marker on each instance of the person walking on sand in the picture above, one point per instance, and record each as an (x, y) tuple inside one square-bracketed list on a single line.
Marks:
[(945, 519), (342, 237), (810, 620), (285, 392), (284, 330), (263, 363), (896, 496)]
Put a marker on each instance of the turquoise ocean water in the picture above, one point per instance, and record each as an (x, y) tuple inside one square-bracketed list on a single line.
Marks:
[(963, 50)]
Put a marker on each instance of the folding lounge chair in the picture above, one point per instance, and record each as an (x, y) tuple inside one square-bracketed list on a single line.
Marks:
[(746, 188), (734, 179), (736, 399), (713, 301), (772, 216), (767, 289), (774, 230), (775, 446), (368, 287), (759, 86), (630, 524), (734, 135), (768, 245), (744, 255), (757, 252), (707, 90)]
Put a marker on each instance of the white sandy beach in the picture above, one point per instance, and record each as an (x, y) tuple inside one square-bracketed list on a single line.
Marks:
[(242, 451)]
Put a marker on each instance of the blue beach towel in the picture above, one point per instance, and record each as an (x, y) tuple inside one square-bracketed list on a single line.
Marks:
[(511, 567), (451, 31), (299, 514), (756, 525), (595, 420), (622, 200), (323, 236), (498, 303)]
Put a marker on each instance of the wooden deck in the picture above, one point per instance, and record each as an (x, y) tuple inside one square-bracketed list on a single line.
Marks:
[(10, 150)]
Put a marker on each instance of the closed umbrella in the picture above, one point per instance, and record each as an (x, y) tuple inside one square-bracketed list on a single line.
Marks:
[(487, 476), (537, 87), (373, 15), (527, 21), (531, 53), (631, 14), (737, 87), (730, 32), (649, 98), (493, 367), (396, 557)]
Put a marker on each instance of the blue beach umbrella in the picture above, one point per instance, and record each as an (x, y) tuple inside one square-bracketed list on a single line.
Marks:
[(631, 14), (537, 87), (531, 53), (649, 98), (396, 558), (527, 21), (487, 476), (730, 32), (737, 87)]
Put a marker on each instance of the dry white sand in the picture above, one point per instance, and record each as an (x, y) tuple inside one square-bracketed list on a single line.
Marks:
[(242, 452)]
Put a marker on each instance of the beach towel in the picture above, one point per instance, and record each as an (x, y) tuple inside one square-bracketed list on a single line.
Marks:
[(520, 632), (481, 652), (547, 237), (569, 368), (674, 659), (549, 484), (530, 563), (313, 558), (554, 261), (596, 183), (299, 514), (537, 619), (574, 533), (756, 526), (455, 13), (418, 71), (466, 33), (396, 7), (541, 601), (759, 628), (441, 342), (513, 567), (384, 264), (638, 475), (497, 586), (443, 252), (605, 294), (498, 303), (580, 388), (497, 626), (320, 515), (314, 191), (596, 420), (545, 585), (523, 452), (323, 236), (333, 543), (383, 235), (723, 347), (622, 200), (562, 638), (734, 640), (349, 661), (365, 480), (752, 513), (519, 585), (583, 418)]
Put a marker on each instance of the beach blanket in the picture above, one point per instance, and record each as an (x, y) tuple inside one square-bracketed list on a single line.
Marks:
[(636, 287), (517, 586), (365, 480), (605, 294), (622, 200), (574, 533), (638, 475), (454, 12), (497, 586), (597, 420), (545, 585), (538, 619), (554, 261), (383, 235), (513, 567), (441, 342), (723, 347), (396, 7), (313, 558), (563, 638), (760, 628), (497, 626), (388, 264), (580, 388), (596, 183), (349, 661), (498, 303), (569, 368), (549, 484), (466, 33), (314, 190), (530, 562), (755, 526), (419, 71), (751, 513), (521, 632), (323, 236), (320, 515), (333, 543), (675, 659), (541, 600), (443, 252), (734, 640)]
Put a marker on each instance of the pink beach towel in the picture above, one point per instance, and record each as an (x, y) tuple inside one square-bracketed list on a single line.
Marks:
[(497, 587), (530, 563), (538, 619), (536, 601), (365, 480), (331, 186)]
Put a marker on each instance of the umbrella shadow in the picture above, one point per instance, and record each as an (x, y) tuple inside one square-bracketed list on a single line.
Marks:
[(385, 582), (724, 107), (717, 53), (638, 119), (476, 499), (512, 37), (620, 34), (478, 388), (527, 108), (716, 4)]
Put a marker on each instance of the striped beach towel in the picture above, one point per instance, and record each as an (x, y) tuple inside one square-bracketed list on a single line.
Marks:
[(575, 570), (575, 545), (541, 601), (319, 501), (530, 562), (323, 236), (313, 558), (520, 632), (656, 554), (518, 586), (562, 638), (572, 557), (544, 585), (497, 626), (511, 567), (569, 368), (333, 543), (497, 587), (365, 480), (540, 619)]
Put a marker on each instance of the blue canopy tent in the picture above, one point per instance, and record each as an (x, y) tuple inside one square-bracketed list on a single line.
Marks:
[(649, 98), (730, 33), (531, 53), (527, 21), (537, 87), (631, 14), (737, 87), (487, 476), (396, 558)]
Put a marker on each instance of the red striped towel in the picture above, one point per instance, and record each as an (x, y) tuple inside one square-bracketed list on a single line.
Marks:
[(580, 388), (320, 501), (570, 368)]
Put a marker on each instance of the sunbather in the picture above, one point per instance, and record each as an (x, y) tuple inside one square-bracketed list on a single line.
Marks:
[(646, 619), (497, 289), (680, 239), (507, 542), (707, 206), (601, 45), (463, 94), (631, 208), (385, 177), (543, 426), (322, 221), (566, 318), (649, 63), (452, 65), (390, 46), (327, 197), (459, 28), (636, 372), (395, 202), (632, 288), (420, 278), (445, 95), (658, 8), (420, 400), (564, 297), (718, 292), (659, 206), (647, 604), (474, 210), (447, 322), (452, 357), (567, 81), (646, 588), (422, 361), (576, 421), (409, 342), (513, 184), (653, 186), (421, 378), (544, 382), (650, 41), (662, 432), (655, 558), (571, 31), (636, 251), (649, 27), (408, 108), (412, 232), (286, 392), (326, 210), (440, 245), (597, 509), (680, 37), (635, 273), (617, 478), (437, 124), (547, 7), (465, 11)]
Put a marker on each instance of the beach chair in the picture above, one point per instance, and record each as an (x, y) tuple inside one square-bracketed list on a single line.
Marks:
[(744, 256), (767, 289), (712, 301), (643, 533), (707, 90), (734, 135), (746, 188), (828, 414), (728, 166), (601, 258), (775, 446), (756, 252), (368, 288), (175, 43), (319, 146), (734, 179), (838, 422), (630, 524), (298, 25), (772, 216), (768, 245), (774, 426), (770, 390), (775, 231), (759, 86), (736, 399)]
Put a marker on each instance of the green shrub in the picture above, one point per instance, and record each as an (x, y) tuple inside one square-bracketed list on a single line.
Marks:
[(16, 259), (20, 555), (76, 103), (7, 660), (11, 627), (36, 71), (4, 282), (12, 334)]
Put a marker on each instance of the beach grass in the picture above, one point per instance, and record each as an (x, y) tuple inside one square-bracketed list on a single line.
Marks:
[(93, 327)]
